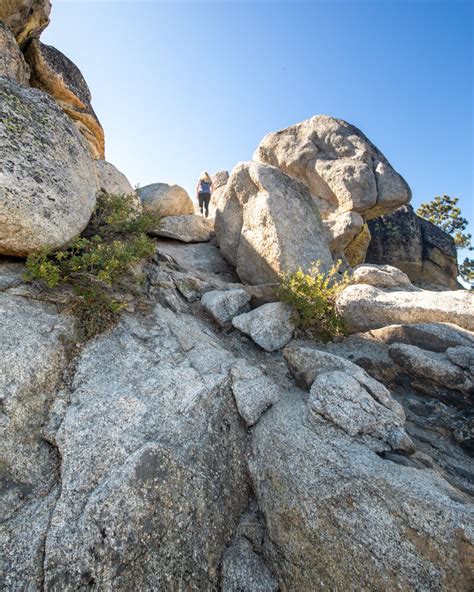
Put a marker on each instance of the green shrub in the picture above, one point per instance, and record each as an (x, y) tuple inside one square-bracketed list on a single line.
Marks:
[(313, 295), (114, 240)]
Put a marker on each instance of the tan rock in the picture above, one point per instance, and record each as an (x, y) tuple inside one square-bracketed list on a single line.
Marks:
[(12, 62), (339, 165), (267, 224), (110, 180), (25, 18), (57, 75), (167, 200), (380, 276), (342, 230), (366, 307)]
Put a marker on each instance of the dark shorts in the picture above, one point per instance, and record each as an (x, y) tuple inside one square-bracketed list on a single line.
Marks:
[(204, 199)]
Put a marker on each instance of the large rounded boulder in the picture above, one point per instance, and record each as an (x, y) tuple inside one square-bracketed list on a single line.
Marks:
[(342, 168), (167, 200), (343, 171), (267, 224), (47, 177)]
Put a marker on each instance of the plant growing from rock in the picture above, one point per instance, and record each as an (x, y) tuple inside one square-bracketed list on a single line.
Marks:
[(313, 296), (95, 264)]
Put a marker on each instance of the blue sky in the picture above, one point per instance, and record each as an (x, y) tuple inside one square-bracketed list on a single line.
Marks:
[(182, 86)]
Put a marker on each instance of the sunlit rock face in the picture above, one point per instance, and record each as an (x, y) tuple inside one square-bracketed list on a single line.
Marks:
[(343, 171), (267, 224), (57, 75)]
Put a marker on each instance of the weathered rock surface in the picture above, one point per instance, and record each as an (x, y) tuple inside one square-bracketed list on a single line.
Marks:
[(25, 18), (256, 221), (145, 484), (341, 517), (436, 337), (47, 183), (342, 230), (345, 402), (380, 276), (439, 417), (223, 306), (343, 170), (111, 180), (32, 361), (54, 73), (307, 363), (144, 461), (365, 307), (253, 391), (187, 229), (417, 247), (168, 200), (219, 181), (243, 565), (203, 260), (270, 325), (450, 369), (12, 62)]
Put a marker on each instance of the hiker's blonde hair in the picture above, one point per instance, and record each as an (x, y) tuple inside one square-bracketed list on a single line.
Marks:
[(204, 176)]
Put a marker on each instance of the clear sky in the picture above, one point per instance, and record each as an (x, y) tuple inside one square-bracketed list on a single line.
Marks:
[(182, 86)]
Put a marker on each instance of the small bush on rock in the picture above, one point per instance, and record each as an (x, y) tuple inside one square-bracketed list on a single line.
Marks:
[(114, 240), (313, 295)]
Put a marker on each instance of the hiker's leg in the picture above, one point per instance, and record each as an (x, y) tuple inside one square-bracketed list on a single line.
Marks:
[(207, 200), (201, 201)]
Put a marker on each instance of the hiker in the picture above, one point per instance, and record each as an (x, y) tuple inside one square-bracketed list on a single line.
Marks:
[(204, 190)]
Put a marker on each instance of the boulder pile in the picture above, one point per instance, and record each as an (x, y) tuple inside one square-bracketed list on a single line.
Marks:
[(205, 442), (322, 176)]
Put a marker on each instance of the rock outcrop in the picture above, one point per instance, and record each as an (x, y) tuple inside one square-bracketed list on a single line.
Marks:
[(344, 173), (54, 73), (343, 170), (341, 516), (167, 200), (48, 185), (365, 307), (12, 62), (416, 246), (257, 220), (381, 276), (25, 18), (203, 464)]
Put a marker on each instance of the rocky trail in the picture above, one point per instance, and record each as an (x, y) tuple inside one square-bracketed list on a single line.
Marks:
[(172, 453), (202, 441)]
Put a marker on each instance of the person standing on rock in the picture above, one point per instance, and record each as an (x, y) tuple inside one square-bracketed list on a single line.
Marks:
[(204, 190)]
